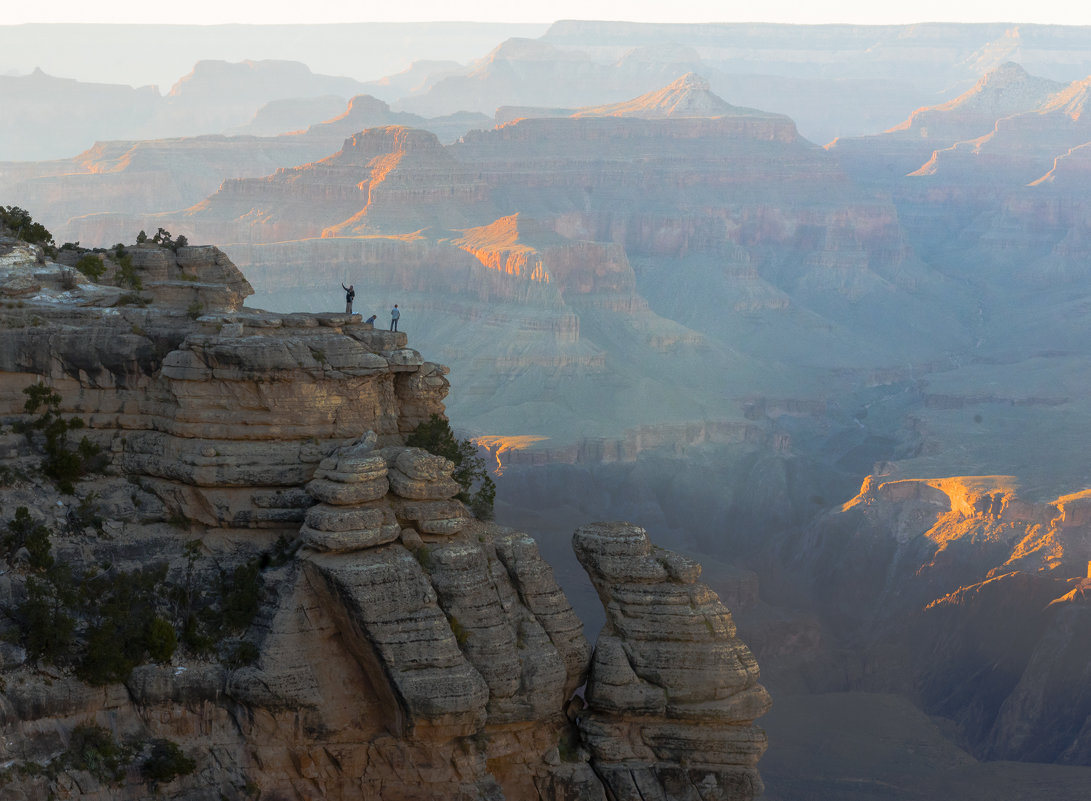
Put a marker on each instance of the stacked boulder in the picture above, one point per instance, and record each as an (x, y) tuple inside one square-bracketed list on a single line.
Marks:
[(673, 693), (367, 496), (351, 514), (424, 492)]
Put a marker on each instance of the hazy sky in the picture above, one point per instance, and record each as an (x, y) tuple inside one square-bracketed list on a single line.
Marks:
[(802, 11)]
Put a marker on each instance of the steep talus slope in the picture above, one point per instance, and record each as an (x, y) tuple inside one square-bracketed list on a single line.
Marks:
[(329, 619)]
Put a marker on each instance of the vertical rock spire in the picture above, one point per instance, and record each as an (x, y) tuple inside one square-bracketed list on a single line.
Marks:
[(673, 693)]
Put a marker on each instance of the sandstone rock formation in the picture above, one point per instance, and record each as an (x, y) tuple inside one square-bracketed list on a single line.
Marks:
[(223, 410), (387, 645), (672, 694)]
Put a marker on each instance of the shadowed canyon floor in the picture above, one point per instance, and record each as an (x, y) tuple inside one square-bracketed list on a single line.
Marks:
[(822, 741)]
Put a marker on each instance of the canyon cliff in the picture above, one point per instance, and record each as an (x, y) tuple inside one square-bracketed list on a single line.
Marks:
[(316, 614), (966, 597), (676, 310)]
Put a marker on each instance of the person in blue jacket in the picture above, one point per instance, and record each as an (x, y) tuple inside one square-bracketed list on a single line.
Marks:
[(395, 315)]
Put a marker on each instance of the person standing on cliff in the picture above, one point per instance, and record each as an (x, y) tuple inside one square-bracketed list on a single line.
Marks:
[(395, 315), (350, 294)]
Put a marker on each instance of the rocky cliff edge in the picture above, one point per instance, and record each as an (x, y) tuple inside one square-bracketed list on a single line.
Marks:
[(255, 589)]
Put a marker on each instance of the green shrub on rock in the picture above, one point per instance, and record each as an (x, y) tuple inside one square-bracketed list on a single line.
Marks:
[(46, 627), (435, 436), (21, 226), (166, 763), (93, 749), (122, 626), (91, 266), (160, 640), (62, 464), (23, 532)]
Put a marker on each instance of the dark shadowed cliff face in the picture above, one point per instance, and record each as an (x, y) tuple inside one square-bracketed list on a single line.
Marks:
[(256, 589)]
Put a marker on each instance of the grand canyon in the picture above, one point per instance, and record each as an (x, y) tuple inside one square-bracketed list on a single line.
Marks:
[(806, 307)]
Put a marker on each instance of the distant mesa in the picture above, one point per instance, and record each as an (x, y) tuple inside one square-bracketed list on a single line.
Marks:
[(277, 78), (690, 96), (521, 49), (367, 111), (291, 115), (1008, 89)]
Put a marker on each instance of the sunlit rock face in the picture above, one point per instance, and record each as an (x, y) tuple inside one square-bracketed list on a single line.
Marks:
[(673, 694), (967, 597)]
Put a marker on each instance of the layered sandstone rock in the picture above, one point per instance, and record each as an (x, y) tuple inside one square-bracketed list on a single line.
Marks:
[(397, 648), (673, 693), (224, 412)]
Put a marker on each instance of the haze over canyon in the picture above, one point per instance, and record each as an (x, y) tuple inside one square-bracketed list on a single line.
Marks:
[(808, 305)]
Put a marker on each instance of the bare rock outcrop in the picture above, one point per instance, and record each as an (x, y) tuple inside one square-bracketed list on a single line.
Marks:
[(451, 666), (673, 693), (224, 412), (387, 645)]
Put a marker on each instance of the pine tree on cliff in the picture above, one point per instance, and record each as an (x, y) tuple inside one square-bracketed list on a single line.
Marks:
[(435, 436), (18, 221)]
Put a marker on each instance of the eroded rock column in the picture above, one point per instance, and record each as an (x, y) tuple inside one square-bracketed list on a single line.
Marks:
[(673, 693)]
